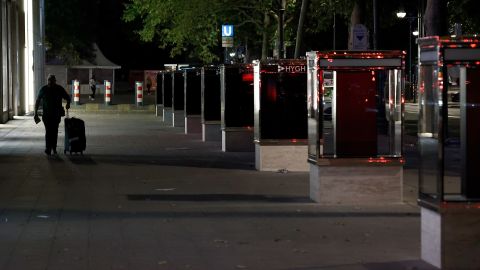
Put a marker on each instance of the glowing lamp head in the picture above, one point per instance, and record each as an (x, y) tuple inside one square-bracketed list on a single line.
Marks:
[(401, 14)]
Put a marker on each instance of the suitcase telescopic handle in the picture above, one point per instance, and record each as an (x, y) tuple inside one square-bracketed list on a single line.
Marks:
[(66, 115)]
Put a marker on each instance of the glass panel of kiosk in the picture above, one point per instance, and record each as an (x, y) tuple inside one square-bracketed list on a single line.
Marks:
[(356, 98), (449, 122), (211, 94), (281, 100), (313, 113), (192, 92), (237, 95), (159, 92), (178, 90), (167, 89)]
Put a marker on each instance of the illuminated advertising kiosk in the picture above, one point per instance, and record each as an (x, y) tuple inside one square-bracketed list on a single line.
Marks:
[(211, 114), (159, 95), (355, 122), (449, 147), (192, 106), (167, 86), (178, 101), (280, 115), (236, 84)]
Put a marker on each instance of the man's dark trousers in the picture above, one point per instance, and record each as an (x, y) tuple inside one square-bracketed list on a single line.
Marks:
[(51, 132)]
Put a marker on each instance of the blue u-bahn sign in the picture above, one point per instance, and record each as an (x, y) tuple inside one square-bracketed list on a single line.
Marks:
[(227, 30)]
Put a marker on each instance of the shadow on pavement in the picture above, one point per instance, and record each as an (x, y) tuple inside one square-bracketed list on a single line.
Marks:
[(218, 198), (81, 159), (402, 265)]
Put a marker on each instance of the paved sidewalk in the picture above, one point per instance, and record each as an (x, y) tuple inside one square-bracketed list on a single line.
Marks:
[(122, 102), (147, 196)]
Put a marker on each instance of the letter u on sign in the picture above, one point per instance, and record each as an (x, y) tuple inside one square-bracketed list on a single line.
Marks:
[(227, 30)]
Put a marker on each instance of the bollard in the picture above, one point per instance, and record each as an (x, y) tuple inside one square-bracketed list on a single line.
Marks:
[(108, 92), (76, 92), (139, 93)]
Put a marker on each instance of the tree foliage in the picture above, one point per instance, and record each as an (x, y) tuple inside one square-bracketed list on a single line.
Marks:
[(193, 27), (70, 29), (466, 13)]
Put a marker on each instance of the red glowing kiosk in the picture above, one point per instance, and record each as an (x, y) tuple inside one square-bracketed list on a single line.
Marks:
[(449, 147), (355, 119)]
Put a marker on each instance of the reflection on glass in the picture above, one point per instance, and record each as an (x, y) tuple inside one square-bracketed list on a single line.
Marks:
[(283, 102), (361, 113), (428, 130), (312, 105), (470, 132), (451, 144), (327, 114)]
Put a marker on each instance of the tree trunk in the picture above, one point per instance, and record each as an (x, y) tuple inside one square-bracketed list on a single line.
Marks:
[(357, 17), (281, 28), (266, 23), (301, 21), (435, 18)]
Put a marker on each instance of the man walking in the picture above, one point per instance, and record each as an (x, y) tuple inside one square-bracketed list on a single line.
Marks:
[(51, 96)]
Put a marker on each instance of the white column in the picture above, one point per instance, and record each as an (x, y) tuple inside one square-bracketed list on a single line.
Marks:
[(34, 53)]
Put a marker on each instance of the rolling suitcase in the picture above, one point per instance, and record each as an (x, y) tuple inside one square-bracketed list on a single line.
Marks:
[(75, 141)]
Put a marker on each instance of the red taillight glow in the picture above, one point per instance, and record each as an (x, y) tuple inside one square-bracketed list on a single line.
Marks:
[(247, 77), (381, 160)]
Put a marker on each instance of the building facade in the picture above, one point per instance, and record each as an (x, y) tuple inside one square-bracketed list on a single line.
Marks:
[(22, 56)]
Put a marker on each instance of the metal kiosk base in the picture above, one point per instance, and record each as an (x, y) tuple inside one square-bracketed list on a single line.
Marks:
[(276, 157), (159, 110), (237, 140), (211, 131), (193, 124), (451, 236), (168, 116), (179, 118), (350, 181)]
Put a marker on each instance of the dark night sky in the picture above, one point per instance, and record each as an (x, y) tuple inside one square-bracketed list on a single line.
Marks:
[(119, 44)]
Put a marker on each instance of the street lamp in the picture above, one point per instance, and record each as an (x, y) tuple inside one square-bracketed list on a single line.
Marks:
[(403, 15)]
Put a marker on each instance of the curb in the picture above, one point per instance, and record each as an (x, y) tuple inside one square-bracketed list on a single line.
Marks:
[(117, 108)]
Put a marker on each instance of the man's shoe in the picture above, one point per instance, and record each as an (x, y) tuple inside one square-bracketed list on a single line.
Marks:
[(47, 151), (55, 152)]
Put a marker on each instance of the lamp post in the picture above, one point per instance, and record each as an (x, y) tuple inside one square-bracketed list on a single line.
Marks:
[(403, 15)]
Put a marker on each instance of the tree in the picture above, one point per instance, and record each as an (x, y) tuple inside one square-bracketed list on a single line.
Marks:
[(69, 35), (322, 17), (464, 12), (180, 25), (192, 27), (300, 27), (436, 18), (357, 17)]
